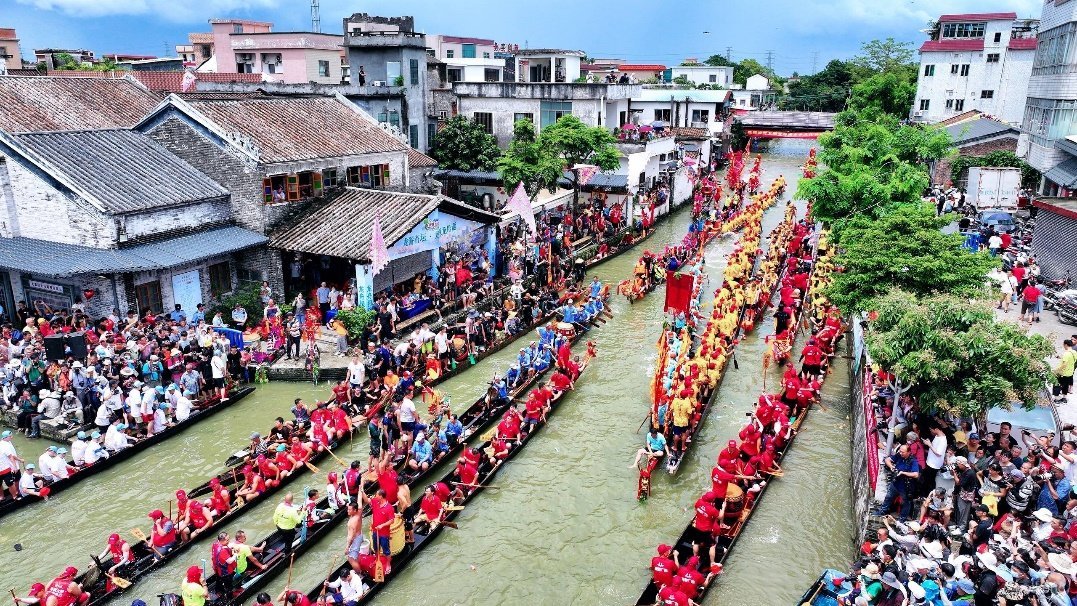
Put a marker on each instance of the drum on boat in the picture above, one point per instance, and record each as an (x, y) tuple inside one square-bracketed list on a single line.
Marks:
[(566, 329), (396, 535), (734, 502)]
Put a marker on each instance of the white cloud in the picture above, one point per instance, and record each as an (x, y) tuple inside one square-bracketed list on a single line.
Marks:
[(817, 17), (171, 10)]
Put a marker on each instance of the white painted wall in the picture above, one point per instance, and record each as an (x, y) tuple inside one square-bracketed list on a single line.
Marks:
[(723, 76)]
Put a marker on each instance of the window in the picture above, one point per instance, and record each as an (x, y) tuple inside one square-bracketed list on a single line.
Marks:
[(959, 105), (1054, 51), (329, 177), (467, 51), (954, 67), (394, 118), (244, 63), (454, 74), (449, 54), (965, 70), (493, 74), (431, 132), (220, 278), (925, 104), (712, 78), (949, 104), (148, 296), (929, 70), (205, 50), (998, 37), (413, 135), (323, 69), (551, 111), (392, 72), (663, 115), (701, 115), (270, 63), (369, 176), (963, 30), (486, 55), (248, 276), (517, 117), (485, 120), (237, 28), (413, 65), (992, 57), (987, 94)]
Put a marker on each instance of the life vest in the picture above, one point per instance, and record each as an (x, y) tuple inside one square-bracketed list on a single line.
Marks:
[(58, 589)]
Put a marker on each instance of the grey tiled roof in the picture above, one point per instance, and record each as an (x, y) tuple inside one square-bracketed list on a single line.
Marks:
[(56, 259), (972, 130), (124, 170), (44, 103), (784, 119), (1064, 174), (343, 226)]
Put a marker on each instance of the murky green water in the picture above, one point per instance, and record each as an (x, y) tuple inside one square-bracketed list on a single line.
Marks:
[(564, 528)]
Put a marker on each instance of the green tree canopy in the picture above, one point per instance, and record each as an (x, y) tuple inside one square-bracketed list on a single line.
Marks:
[(825, 91), (881, 56), (464, 145), (890, 93), (952, 354), (904, 248), (576, 143), (529, 162)]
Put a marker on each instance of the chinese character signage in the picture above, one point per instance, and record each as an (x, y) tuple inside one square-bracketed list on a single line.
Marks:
[(435, 231)]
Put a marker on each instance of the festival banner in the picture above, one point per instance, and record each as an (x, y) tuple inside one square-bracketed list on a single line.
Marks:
[(437, 230), (586, 172), (870, 433), (521, 203), (780, 134), (679, 289)]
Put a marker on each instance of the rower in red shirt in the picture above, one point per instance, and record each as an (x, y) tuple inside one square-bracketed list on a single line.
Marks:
[(729, 454), (291, 597), (564, 354), (750, 437), (220, 499), (720, 479), (663, 568), (342, 424), (560, 381), (534, 412), (300, 451), (812, 356), (467, 473), (268, 470), (388, 482), (197, 520), (181, 505), (507, 429), (501, 448), (706, 517), (544, 395), (382, 513), (670, 595), (284, 460), (689, 579), (431, 504), (64, 591), (119, 551)]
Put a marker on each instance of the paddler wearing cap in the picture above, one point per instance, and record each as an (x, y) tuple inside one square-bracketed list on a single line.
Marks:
[(162, 534), (64, 591), (36, 595), (193, 591), (52, 464), (118, 551)]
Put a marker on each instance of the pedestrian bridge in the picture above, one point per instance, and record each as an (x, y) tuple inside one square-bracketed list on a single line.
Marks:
[(787, 125)]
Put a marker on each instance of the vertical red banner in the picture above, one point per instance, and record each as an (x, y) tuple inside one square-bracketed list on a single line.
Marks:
[(679, 289)]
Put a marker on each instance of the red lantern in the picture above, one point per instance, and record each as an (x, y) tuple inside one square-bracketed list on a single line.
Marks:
[(88, 293), (873, 315)]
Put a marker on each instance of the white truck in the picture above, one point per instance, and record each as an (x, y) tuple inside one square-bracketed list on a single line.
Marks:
[(991, 188)]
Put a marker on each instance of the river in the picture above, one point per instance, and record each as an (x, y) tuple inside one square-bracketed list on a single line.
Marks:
[(563, 527)]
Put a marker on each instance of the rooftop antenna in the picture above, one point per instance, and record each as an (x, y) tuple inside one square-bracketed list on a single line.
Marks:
[(315, 16)]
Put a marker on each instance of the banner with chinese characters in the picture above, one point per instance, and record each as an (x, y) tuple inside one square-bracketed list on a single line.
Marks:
[(437, 230)]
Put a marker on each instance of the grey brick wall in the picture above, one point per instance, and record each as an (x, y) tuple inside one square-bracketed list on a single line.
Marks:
[(41, 209), (236, 174), (178, 217)]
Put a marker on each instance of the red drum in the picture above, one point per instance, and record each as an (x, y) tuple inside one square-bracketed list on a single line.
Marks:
[(734, 502), (566, 329)]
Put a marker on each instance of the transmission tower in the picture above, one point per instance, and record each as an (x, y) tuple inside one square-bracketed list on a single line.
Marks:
[(729, 53), (315, 17), (770, 61)]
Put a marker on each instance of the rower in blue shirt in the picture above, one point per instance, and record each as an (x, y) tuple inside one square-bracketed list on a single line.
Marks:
[(546, 334), (511, 378), (568, 313), (524, 359), (543, 359), (596, 287)]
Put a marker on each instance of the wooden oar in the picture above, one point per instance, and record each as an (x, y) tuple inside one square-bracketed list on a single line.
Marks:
[(311, 467), (332, 564), (338, 459), (288, 585), (12, 590), (479, 485), (141, 536)]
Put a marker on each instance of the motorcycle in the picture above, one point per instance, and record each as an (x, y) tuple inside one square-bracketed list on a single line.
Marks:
[(1052, 289), (1066, 306)]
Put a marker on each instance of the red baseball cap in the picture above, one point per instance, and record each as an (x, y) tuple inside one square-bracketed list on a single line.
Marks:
[(664, 550), (156, 514), (36, 588)]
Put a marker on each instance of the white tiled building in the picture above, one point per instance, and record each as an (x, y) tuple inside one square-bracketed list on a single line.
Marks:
[(975, 61)]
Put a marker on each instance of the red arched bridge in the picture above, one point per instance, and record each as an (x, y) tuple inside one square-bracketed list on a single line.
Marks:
[(786, 125)]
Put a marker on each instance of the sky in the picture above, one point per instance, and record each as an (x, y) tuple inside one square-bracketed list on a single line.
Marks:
[(800, 33)]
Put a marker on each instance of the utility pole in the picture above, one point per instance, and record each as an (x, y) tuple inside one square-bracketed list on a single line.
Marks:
[(315, 16), (770, 61), (814, 59)]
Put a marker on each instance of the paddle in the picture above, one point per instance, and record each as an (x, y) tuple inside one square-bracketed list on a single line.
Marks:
[(311, 467), (332, 564), (141, 536), (288, 585), (12, 590), (479, 485), (118, 581), (338, 459)]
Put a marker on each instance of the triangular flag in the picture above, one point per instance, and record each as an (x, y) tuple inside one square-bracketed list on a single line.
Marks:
[(521, 203), (585, 172), (189, 80), (379, 254)]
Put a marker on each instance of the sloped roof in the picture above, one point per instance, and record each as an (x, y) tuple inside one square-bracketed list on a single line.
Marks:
[(172, 81), (970, 131), (972, 114), (46, 103), (687, 132), (58, 259), (952, 45), (1064, 173), (200, 38), (121, 170), (343, 226), (294, 128), (417, 159)]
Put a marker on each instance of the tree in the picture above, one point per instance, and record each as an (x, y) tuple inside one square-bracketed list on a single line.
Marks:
[(881, 56), (906, 249), (824, 91), (529, 162), (682, 80), (65, 62), (739, 138), (890, 93), (954, 356), (718, 61), (573, 142), (464, 145)]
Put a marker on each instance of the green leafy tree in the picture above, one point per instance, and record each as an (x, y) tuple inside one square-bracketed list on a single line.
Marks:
[(953, 355), (529, 162), (739, 138), (65, 62), (1030, 177), (682, 80), (573, 142), (718, 61), (464, 145), (824, 91), (905, 248), (890, 93), (884, 55)]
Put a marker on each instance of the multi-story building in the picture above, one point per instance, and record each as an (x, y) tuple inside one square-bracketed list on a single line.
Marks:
[(679, 107), (10, 55), (245, 47), (977, 61), (704, 74), (468, 59), (51, 56), (387, 51), (756, 94), (1051, 109)]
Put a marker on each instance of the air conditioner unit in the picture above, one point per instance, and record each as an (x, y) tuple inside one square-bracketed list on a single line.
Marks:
[(443, 114), (918, 114), (378, 83)]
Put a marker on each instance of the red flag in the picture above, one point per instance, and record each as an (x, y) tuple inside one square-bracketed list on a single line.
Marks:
[(679, 289)]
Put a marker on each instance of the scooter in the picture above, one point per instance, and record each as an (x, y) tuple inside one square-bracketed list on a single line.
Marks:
[(1052, 289), (1066, 306)]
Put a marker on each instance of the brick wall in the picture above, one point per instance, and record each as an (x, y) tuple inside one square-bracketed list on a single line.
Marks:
[(177, 218), (239, 176), (941, 174), (267, 262), (40, 208)]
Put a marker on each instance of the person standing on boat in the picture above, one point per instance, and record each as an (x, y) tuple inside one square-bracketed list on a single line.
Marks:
[(354, 543), (286, 517), (193, 591)]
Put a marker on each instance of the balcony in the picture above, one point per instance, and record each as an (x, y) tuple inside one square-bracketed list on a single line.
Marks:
[(560, 91), (385, 39)]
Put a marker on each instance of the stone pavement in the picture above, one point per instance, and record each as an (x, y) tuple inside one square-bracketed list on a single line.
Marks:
[(1049, 326)]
